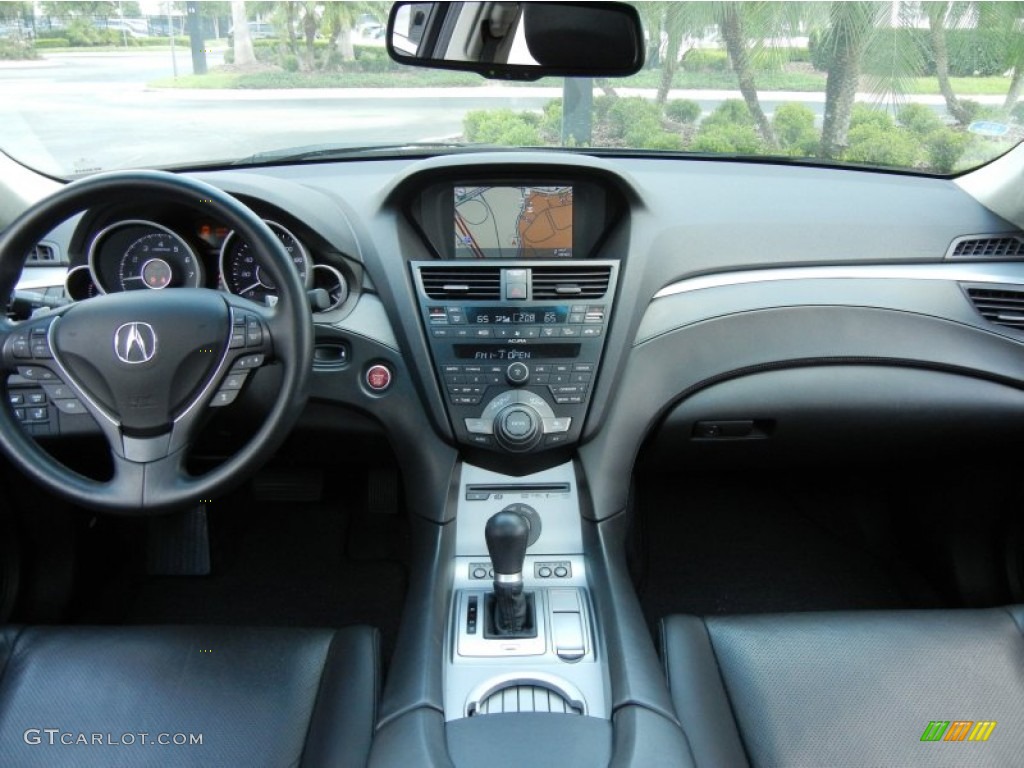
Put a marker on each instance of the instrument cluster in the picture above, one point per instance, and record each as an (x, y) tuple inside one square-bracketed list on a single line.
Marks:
[(141, 254)]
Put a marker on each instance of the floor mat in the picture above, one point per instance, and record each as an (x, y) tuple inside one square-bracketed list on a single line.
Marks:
[(280, 563), (755, 543)]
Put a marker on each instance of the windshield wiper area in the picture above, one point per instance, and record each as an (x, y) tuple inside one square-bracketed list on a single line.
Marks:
[(346, 151)]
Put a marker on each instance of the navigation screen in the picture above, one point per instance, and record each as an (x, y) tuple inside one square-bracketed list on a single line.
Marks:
[(513, 222)]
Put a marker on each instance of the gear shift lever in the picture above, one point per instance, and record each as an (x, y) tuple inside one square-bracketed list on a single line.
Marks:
[(507, 534)]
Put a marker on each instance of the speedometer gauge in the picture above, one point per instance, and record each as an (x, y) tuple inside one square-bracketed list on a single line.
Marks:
[(244, 274)]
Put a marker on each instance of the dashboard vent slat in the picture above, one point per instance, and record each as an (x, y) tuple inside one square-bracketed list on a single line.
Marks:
[(570, 282), (1006, 247), (42, 254), (461, 282), (1003, 306)]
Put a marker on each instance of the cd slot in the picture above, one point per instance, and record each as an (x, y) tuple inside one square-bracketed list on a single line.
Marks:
[(483, 492)]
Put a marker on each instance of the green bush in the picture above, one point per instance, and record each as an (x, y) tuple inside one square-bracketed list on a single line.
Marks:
[(17, 50), (151, 42), (919, 119), (730, 112), (52, 42), (863, 114), (649, 136), (705, 60), (81, 33), (795, 55), (683, 111), (727, 139), (977, 111), (502, 126), (945, 148), (627, 113), (874, 144), (551, 124), (794, 129)]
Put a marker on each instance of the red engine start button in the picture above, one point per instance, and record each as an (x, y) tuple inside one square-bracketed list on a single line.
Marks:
[(378, 377)]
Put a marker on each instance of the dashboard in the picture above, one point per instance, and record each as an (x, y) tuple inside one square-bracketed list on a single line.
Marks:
[(520, 309)]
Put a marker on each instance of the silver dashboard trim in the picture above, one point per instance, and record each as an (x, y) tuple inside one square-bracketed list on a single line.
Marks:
[(999, 272)]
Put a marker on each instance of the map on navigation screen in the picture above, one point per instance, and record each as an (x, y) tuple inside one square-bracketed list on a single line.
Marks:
[(513, 222)]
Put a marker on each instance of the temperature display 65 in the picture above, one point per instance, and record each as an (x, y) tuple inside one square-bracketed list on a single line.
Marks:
[(517, 316)]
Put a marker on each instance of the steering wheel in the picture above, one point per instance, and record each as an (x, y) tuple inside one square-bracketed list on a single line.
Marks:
[(147, 364)]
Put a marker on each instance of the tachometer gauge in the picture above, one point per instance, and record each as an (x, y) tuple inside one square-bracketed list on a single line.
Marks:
[(243, 273), (139, 255)]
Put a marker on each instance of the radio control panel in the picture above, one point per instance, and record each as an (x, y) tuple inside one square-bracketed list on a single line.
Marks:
[(516, 346)]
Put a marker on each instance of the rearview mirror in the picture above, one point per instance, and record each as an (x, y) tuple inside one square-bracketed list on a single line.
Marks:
[(518, 41)]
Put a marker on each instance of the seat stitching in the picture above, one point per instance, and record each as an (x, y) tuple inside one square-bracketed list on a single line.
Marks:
[(1020, 627), (14, 648), (725, 687), (316, 699)]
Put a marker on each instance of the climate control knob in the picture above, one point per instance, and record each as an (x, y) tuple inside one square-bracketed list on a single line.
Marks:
[(518, 427), (517, 374)]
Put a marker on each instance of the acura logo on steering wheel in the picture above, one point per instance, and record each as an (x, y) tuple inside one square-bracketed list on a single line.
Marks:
[(135, 343)]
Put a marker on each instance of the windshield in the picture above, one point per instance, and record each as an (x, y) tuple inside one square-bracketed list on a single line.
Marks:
[(927, 87)]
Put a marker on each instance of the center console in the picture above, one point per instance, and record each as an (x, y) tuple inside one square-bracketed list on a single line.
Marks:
[(516, 346), (552, 661)]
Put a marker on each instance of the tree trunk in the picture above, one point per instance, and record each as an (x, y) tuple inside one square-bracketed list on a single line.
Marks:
[(669, 63), (244, 55), (849, 37), (344, 44), (293, 43), (736, 45), (937, 30), (309, 30), (1014, 92)]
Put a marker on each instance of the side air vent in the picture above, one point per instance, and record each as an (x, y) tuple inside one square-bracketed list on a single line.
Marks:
[(570, 282), (461, 282), (990, 247), (1002, 307), (42, 254)]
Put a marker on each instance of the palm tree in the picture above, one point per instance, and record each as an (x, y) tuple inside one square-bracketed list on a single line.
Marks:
[(244, 55), (735, 37), (938, 13), (851, 26)]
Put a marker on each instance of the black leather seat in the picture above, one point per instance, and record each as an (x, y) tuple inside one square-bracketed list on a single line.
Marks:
[(850, 689), (84, 696)]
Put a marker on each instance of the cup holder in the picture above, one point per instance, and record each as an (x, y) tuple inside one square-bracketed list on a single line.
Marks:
[(535, 693)]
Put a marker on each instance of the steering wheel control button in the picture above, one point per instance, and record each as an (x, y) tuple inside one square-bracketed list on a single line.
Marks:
[(36, 373), (70, 406), (378, 378), (234, 381), (517, 374), (247, 362), (224, 397), (253, 332)]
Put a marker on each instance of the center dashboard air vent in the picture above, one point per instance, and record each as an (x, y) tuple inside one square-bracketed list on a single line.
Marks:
[(1003, 306), (570, 282), (461, 282), (988, 247)]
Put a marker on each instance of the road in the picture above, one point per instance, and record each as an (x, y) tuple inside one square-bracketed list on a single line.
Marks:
[(80, 112)]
